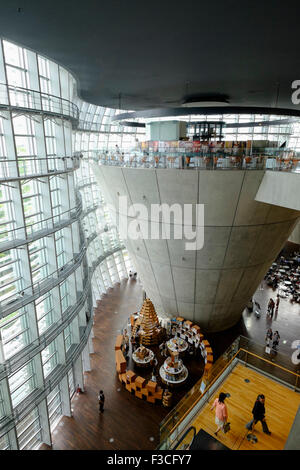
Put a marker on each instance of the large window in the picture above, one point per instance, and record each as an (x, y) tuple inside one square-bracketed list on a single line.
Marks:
[(15, 333), (22, 383), (54, 407), (68, 337), (37, 190), (10, 275), (45, 312), (38, 260), (49, 358), (5, 442), (29, 431)]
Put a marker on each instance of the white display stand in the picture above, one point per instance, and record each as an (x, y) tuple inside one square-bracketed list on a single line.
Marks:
[(171, 375)]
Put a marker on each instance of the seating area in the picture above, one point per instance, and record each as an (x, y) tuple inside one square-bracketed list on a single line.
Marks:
[(284, 275)]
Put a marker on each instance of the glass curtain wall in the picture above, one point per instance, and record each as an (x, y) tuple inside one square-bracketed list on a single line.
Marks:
[(59, 251)]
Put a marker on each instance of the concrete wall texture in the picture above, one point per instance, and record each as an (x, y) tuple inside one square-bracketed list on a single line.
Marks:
[(242, 237), (280, 188), (295, 235)]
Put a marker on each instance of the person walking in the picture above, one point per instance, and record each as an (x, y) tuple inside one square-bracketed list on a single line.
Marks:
[(269, 336), (259, 412), (276, 338), (271, 306), (101, 399), (221, 412), (277, 303)]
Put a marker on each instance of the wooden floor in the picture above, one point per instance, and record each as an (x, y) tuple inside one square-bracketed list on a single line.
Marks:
[(281, 406), (133, 424), (129, 421)]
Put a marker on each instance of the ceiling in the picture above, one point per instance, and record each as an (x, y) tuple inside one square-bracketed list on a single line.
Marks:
[(143, 54)]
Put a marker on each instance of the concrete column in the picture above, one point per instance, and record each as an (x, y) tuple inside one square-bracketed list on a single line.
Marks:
[(242, 236), (65, 397), (86, 363), (45, 425), (90, 343), (78, 373)]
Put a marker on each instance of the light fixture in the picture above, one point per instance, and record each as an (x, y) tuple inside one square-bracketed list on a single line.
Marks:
[(205, 102), (200, 104)]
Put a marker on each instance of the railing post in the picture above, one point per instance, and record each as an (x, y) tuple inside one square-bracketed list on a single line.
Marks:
[(246, 359)]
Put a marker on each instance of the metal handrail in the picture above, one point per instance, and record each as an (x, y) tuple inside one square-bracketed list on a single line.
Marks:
[(42, 287), (75, 213), (12, 170), (17, 97), (49, 225), (40, 394), (213, 382), (207, 161), (191, 428), (21, 357)]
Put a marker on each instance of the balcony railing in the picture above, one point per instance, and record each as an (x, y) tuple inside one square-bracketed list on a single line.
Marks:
[(273, 159), (11, 238), (36, 167), (242, 350), (16, 97)]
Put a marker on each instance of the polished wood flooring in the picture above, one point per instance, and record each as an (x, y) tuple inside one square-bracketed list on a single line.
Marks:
[(130, 422), (133, 424), (281, 406)]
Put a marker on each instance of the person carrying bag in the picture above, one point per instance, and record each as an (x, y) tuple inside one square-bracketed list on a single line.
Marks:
[(221, 414)]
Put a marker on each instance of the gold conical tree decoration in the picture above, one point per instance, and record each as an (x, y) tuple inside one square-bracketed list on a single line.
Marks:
[(150, 330)]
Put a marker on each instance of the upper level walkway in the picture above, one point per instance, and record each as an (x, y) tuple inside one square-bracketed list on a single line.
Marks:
[(275, 160)]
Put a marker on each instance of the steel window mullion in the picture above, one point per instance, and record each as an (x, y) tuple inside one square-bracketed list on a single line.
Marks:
[(49, 357), (45, 314), (24, 330), (36, 418), (11, 282), (22, 383)]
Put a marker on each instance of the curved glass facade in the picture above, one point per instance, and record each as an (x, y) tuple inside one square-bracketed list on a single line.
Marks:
[(59, 251)]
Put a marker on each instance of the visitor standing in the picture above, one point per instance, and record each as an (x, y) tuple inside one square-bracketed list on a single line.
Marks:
[(221, 412), (259, 412), (276, 338), (269, 336), (101, 399)]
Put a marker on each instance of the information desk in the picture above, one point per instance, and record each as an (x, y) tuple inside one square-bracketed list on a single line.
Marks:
[(177, 345), (142, 357)]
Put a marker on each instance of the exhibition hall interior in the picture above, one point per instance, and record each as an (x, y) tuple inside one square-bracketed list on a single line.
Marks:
[(149, 226)]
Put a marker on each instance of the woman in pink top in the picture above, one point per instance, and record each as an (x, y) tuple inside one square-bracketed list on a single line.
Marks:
[(221, 412)]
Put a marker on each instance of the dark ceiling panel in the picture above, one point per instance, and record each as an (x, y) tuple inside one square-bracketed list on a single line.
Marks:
[(148, 54)]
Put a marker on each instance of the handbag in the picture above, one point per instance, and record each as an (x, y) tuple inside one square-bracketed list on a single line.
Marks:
[(226, 427)]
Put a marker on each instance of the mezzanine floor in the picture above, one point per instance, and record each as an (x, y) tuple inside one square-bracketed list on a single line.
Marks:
[(130, 422), (281, 407)]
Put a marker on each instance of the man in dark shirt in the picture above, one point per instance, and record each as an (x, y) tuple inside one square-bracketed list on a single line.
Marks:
[(259, 415), (101, 399)]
